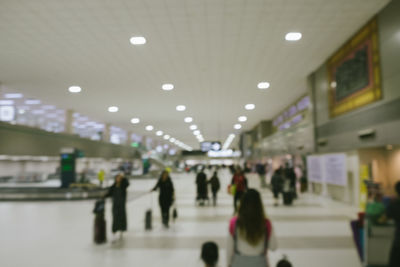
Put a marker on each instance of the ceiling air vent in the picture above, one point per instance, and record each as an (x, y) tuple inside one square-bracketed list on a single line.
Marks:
[(367, 133), (322, 142)]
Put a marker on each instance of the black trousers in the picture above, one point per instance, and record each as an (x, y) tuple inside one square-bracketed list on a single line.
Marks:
[(165, 214), (395, 255), (214, 194), (236, 199)]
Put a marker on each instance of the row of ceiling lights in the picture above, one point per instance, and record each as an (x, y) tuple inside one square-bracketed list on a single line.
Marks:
[(291, 36), (140, 40)]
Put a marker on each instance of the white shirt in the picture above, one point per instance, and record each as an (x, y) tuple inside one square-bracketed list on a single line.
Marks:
[(247, 249)]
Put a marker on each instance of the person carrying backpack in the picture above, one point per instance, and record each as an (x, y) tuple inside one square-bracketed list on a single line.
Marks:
[(239, 182), (251, 234), (215, 186)]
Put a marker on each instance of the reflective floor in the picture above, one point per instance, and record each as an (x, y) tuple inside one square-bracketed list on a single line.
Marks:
[(313, 232)]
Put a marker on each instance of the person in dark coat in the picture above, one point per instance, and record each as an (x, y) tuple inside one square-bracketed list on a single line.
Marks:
[(290, 176), (201, 182), (166, 197), (215, 186), (393, 212), (118, 194), (277, 185)]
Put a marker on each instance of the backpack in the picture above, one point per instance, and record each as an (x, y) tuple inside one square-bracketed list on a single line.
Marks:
[(240, 182)]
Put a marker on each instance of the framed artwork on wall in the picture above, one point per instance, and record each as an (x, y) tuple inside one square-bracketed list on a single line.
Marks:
[(354, 72)]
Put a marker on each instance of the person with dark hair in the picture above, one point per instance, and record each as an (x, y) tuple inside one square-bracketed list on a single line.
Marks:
[(284, 263), (290, 177), (201, 182), (215, 186), (209, 254), (239, 183), (166, 197), (277, 185), (393, 212), (118, 194), (250, 233)]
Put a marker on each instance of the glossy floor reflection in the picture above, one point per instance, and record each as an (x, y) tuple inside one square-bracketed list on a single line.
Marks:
[(314, 232)]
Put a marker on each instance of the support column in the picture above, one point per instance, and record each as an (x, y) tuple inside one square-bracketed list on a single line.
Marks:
[(129, 138), (69, 119), (106, 134)]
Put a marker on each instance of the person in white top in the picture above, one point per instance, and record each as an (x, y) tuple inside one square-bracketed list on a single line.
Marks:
[(251, 234)]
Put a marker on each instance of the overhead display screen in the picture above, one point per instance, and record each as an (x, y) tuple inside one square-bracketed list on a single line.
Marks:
[(211, 146)]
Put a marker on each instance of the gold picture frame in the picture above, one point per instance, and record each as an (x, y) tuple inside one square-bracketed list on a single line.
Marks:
[(354, 72)]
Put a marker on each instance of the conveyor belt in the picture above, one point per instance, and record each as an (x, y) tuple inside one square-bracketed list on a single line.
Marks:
[(46, 193)]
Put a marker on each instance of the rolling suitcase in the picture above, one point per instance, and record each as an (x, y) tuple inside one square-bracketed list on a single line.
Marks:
[(148, 217), (287, 198), (148, 220), (100, 229)]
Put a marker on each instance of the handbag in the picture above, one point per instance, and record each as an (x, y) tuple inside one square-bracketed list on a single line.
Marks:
[(232, 189)]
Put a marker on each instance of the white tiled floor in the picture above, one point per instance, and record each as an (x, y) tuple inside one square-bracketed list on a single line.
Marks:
[(60, 233)]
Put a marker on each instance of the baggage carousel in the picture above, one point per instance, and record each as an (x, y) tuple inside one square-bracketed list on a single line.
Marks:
[(75, 192)]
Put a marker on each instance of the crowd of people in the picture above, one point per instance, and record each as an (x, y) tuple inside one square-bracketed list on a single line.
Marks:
[(251, 233)]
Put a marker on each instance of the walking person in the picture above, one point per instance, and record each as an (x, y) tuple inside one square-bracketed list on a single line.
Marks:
[(393, 212), (166, 196), (261, 171), (239, 182), (202, 192), (101, 176), (277, 185), (290, 177), (251, 234), (118, 194), (215, 186)]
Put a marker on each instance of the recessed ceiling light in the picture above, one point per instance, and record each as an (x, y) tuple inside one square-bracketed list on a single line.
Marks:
[(135, 120), (13, 95), (149, 128), (138, 40), (74, 89), (167, 87), (197, 132), (293, 36), (193, 127), (172, 140), (237, 126), (32, 102), (48, 107), (180, 108), (7, 102), (250, 106), (38, 111), (188, 119), (242, 118), (166, 137), (263, 85), (159, 133), (113, 109)]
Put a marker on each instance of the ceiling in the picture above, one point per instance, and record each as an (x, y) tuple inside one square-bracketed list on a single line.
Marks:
[(214, 51)]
